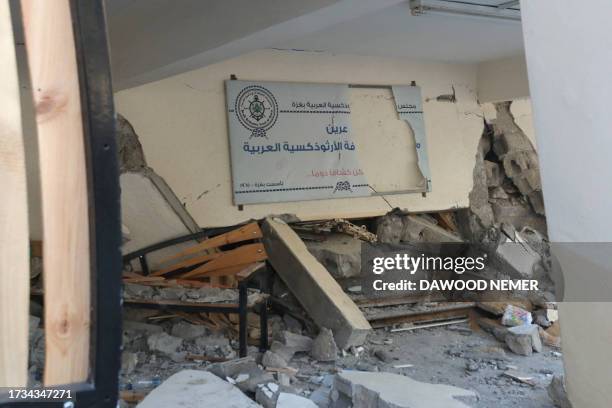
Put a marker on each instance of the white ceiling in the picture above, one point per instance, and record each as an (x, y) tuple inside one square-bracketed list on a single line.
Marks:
[(153, 39), (394, 31)]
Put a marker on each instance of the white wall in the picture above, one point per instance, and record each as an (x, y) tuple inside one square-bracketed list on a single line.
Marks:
[(568, 60), (182, 125), (503, 79)]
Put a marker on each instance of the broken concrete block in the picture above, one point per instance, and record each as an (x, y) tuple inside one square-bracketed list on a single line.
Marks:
[(518, 255), (384, 390), (132, 290), (271, 359), (390, 228), (149, 329), (212, 340), (164, 343), (129, 361), (267, 394), (524, 339), (152, 213), (191, 389), (285, 352), (187, 331), (292, 324), (297, 342), (245, 365), (309, 281), (420, 229), (558, 394), (340, 254), (495, 176), (324, 347), (286, 400)]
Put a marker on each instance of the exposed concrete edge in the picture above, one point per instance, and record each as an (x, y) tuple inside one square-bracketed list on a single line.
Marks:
[(313, 286), (173, 201)]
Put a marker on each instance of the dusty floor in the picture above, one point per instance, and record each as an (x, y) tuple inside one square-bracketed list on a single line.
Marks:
[(454, 355)]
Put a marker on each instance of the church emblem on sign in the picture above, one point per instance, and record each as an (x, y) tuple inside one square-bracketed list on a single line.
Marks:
[(256, 109)]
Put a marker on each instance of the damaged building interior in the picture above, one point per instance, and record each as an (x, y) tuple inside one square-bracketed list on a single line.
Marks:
[(223, 224)]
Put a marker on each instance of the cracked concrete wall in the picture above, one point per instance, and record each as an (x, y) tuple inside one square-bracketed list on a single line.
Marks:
[(507, 186), (183, 127)]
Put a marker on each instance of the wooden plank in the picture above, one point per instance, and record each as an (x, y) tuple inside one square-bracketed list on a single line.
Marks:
[(188, 262), (245, 254), (317, 291), (14, 244), (249, 270), (179, 304), (53, 71), (247, 232)]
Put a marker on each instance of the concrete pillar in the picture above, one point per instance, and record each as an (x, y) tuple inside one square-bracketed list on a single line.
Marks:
[(568, 59)]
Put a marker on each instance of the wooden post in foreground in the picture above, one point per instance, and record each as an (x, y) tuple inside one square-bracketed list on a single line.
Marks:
[(51, 54), (14, 251)]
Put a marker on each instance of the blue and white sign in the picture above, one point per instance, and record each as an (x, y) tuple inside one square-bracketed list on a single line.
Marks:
[(292, 142)]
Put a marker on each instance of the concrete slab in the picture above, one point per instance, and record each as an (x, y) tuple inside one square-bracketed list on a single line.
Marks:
[(195, 389), (313, 286), (386, 390), (152, 213)]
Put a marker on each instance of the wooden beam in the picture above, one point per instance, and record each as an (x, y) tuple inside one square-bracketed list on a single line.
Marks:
[(247, 232), (14, 244), (186, 263), (55, 83), (243, 255)]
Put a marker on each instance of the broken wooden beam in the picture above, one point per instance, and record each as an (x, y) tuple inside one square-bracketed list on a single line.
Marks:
[(313, 286)]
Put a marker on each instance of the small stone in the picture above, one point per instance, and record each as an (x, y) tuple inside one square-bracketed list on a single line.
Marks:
[(188, 331), (164, 343), (324, 347), (383, 356), (524, 339), (132, 290), (292, 324), (241, 378), (213, 340), (557, 393), (271, 359), (283, 379), (296, 342), (472, 366), (129, 361)]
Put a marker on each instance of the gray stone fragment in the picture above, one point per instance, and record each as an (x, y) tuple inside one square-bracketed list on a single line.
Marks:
[(524, 339), (286, 400), (495, 176), (129, 361), (172, 293), (324, 347), (339, 253), (187, 331), (192, 389), (271, 359), (296, 342), (387, 390), (285, 352), (133, 290), (292, 324), (164, 343), (390, 228), (130, 326), (558, 394), (212, 340)]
